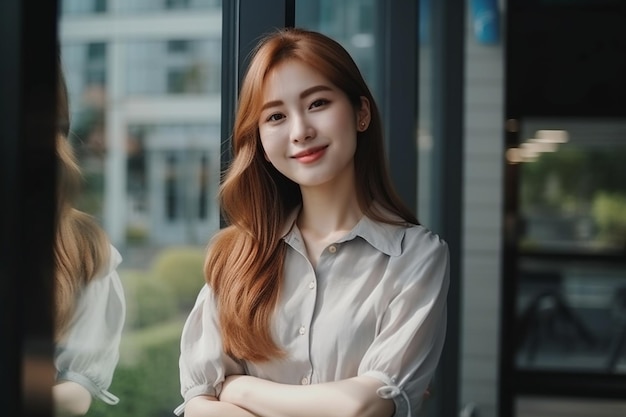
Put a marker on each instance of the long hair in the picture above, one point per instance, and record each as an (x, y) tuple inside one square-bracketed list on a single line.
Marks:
[(245, 260), (81, 248)]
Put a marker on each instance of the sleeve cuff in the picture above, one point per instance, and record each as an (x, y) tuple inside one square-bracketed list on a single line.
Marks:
[(95, 391), (399, 397), (390, 390), (196, 391)]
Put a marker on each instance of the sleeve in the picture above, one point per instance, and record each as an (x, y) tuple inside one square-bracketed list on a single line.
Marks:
[(407, 348), (89, 353), (203, 363)]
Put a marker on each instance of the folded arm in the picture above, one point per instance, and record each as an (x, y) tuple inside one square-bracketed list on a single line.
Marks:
[(208, 406), (353, 397)]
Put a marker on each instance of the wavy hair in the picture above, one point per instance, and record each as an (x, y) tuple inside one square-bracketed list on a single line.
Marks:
[(244, 262), (81, 248)]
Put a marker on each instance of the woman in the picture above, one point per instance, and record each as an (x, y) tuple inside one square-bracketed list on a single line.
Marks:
[(324, 296), (89, 299)]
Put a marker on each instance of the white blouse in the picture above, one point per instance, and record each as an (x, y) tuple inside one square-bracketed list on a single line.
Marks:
[(375, 305), (89, 352)]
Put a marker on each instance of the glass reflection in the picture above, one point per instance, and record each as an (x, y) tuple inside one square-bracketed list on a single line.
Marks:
[(144, 80), (90, 307)]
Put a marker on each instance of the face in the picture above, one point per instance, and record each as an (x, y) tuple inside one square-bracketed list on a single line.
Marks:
[(308, 126)]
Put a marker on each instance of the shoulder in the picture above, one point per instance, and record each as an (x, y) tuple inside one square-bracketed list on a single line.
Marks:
[(423, 248), (110, 263), (420, 238)]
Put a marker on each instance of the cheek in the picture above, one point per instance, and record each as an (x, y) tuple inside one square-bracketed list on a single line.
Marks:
[(269, 147)]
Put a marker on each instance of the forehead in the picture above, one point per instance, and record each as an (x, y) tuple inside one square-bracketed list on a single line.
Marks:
[(290, 78)]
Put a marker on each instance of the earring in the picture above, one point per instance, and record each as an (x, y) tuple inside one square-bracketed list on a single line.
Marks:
[(362, 124)]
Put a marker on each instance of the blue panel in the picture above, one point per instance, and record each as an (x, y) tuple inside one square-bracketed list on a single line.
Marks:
[(485, 21)]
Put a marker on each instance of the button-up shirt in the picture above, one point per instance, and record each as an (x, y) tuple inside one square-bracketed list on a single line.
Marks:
[(374, 305)]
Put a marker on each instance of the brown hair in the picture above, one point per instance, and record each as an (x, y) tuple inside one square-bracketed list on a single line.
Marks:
[(81, 248), (245, 260)]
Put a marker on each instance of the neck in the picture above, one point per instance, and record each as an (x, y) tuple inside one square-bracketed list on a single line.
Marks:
[(329, 209)]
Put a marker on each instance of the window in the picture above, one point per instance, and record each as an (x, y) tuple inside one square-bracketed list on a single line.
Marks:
[(145, 117)]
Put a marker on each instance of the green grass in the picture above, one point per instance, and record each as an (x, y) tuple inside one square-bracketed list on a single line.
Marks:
[(146, 379)]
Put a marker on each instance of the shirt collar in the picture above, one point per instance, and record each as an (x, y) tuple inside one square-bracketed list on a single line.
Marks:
[(385, 237)]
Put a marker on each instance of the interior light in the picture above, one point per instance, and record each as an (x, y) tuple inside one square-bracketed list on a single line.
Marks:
[(552, 136)]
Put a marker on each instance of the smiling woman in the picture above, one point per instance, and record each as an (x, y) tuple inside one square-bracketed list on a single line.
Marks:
[(323, 296)]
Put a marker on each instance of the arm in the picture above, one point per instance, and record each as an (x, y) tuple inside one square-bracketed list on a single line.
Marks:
[(353, 397), (208, 406), (203, 365), (406, 351)]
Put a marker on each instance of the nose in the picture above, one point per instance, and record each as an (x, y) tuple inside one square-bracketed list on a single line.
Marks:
[(301, 129)]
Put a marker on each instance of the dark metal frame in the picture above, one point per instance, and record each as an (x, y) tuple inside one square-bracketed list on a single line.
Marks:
[(28, 80), (448, 22), (398, 28)]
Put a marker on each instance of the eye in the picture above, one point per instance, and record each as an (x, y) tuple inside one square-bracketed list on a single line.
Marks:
[(275, 117), (318, 103)]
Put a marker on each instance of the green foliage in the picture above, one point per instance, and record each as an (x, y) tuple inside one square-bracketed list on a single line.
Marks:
[(609, 212), (147, 378), (181, 269), (554, 178), (148, 300), (566, 181), (136, 235), (158, 300)]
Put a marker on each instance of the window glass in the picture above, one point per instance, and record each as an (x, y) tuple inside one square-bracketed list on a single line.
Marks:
[(144, 96), (352, 23), (571, 297), (173, 66), (89, 7), (573, 185)]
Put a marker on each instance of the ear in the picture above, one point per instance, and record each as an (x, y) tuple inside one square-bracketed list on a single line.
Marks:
[(363, 115)]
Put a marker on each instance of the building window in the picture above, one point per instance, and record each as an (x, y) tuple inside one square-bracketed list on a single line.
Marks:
[(178, 46), (176, 4), (171, 194)]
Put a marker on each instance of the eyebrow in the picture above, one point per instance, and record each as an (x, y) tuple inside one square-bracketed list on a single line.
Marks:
[(304, 94)]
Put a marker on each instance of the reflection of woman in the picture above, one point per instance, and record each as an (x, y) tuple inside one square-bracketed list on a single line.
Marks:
[(324, 296), (89, 299)]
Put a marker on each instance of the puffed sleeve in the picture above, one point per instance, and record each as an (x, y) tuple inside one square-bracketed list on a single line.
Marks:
[(203, 363), (89, 352), (407, 348)]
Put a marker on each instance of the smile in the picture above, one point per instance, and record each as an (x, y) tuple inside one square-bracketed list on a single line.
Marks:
[(310, 155)]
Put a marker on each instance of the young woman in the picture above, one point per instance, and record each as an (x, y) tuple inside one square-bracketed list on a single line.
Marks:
[(89, 298), (324, 296)]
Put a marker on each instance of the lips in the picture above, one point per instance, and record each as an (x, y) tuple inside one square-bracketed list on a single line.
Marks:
[(311, 154)]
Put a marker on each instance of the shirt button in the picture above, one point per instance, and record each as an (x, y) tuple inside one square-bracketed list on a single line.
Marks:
[(311, 285), (332, 249), (302, 330), (305, 381)]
